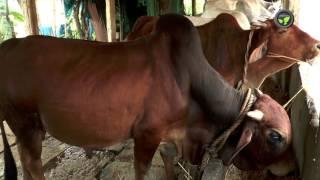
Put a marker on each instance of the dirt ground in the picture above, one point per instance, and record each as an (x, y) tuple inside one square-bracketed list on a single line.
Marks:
[(62, 162)]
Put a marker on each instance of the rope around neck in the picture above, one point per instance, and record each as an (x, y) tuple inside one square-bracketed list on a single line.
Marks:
[(217, 144)]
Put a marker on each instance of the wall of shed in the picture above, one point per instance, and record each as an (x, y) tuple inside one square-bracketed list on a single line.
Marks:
[(305, 134)]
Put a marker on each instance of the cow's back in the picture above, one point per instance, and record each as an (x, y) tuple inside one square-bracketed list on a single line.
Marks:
[(102, 90), (71, 80)]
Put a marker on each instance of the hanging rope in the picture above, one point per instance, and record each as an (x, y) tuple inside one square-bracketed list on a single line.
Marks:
[(292, 98), (285, 58), (246, 57), (217, 144), (275, 55)]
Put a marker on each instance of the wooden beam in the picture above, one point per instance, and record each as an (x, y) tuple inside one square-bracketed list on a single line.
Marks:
[(111, 20), (194, 5)]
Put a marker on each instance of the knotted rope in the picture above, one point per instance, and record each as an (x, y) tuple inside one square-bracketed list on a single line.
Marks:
[(217, 144)]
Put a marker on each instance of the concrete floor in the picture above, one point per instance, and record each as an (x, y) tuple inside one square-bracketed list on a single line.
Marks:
[(62, 162)]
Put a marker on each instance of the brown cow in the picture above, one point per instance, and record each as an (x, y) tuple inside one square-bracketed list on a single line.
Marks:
[(92, 95), (224, 44)]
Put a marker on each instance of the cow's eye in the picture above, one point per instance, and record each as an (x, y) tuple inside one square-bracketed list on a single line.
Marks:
[(275, 137)]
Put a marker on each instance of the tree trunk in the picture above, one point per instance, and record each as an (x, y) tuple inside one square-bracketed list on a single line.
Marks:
[(97, 22), (83, 20), (13, 34), (30, 12), (76, 19)]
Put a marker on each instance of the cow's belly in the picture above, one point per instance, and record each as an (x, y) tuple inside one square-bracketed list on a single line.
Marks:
[(87, 126), (89, 116)]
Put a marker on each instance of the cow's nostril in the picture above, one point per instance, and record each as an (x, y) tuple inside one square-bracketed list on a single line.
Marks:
[(318, 46)]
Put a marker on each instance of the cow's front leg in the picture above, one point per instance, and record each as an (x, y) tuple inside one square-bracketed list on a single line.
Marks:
[(168, 152), (145, 146)]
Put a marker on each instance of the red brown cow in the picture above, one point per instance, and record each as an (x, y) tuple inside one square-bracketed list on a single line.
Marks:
[(224, 44), (92, 95)]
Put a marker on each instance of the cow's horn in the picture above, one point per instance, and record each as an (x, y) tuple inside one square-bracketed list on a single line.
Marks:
[(255, 114), (258, 92)]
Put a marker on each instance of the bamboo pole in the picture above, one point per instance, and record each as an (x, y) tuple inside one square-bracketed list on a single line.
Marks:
[(111, 21)]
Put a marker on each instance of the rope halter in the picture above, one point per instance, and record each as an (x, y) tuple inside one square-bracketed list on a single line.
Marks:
[(217, 144)]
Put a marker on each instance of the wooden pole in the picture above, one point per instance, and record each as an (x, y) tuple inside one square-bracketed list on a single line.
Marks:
[(32, 17), (194, 5), (111, 20)]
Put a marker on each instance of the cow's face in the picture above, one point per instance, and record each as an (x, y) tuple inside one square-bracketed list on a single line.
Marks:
[(264, 142), (291, 42)]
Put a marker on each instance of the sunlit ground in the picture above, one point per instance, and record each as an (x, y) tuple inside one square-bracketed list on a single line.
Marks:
[(309, 22)]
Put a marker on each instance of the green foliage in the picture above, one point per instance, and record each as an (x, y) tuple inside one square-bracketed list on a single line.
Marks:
[(5, 32), (16, 16), (5, 26), (188, 6), (72, 31)]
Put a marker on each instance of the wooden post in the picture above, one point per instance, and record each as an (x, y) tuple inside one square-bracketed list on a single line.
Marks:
[(30, 12), (32, 17), (111, 21), (294, 7), (194, 7)]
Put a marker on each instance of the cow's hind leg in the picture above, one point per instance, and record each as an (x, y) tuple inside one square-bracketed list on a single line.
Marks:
[(29, 134), (145, 146), (168, 152), (30, 148)]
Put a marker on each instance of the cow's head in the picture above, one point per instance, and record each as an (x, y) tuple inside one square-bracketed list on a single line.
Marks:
[(291, 42), (264, 137)]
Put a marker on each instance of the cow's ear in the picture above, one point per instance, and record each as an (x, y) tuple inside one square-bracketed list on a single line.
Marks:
[(244, 140), (259, 52)]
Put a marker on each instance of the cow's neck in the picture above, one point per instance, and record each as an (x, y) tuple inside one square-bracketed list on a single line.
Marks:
[(262, 68), (217, 98), (225, 51)]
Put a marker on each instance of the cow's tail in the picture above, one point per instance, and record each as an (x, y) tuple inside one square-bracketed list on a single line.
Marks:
[(10, 168)]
